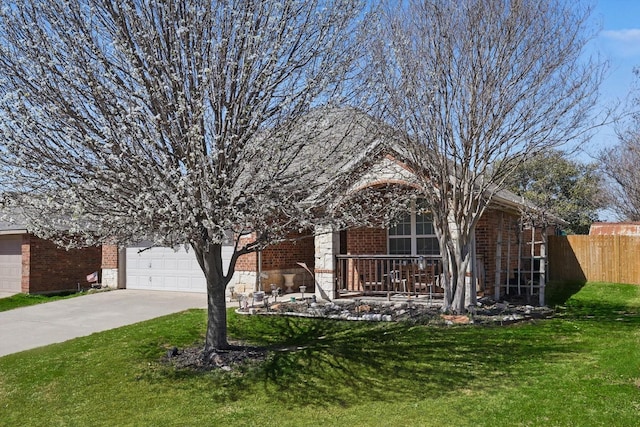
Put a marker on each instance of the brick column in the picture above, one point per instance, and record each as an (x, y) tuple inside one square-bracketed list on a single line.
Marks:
[(327, 245), (110, 266)]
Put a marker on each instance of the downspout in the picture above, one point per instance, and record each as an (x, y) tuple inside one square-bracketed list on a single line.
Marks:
[(122, 267), (259, 270)]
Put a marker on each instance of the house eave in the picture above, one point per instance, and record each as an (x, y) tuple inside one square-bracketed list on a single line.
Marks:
[(13, 232)]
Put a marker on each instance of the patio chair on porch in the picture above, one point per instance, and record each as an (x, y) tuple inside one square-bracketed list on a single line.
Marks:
[(396, 281), (371, 279), (424, 281), (370, 284)]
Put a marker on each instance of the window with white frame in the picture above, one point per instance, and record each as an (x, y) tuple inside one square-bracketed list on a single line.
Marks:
[(413, 234)]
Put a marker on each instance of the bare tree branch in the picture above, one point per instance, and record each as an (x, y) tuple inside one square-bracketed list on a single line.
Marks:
[(478, 87)]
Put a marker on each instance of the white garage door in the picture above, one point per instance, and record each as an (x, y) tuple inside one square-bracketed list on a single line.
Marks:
[(164, 269), (10, 263)]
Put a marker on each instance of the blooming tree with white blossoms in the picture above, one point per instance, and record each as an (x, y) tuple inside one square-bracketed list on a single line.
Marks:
[(170, 120)]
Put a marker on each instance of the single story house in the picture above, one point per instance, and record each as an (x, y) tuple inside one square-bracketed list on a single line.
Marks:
[(510, 255)]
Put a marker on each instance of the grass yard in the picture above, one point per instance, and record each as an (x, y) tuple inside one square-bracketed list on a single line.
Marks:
[(581, 368), (25, 300)]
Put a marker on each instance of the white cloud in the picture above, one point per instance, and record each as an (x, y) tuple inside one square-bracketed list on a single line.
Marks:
[(625, 42), (625, 36)]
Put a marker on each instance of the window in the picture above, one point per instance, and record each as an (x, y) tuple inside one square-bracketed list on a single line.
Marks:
[(413, 235), (400, 236)]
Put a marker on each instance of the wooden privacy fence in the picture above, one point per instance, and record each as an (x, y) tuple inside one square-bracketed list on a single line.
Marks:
[(595, 258)]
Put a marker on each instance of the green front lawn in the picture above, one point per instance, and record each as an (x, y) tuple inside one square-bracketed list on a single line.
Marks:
[(25, 300), (581, 368)]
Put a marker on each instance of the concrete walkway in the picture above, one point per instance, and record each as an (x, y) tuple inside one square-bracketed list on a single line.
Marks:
[(58, 321)]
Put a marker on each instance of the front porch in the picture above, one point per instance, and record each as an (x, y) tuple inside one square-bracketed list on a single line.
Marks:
[(509, 262), (388, 275)]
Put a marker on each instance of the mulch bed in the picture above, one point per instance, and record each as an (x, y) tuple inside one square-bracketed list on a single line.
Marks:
[(194, 359)]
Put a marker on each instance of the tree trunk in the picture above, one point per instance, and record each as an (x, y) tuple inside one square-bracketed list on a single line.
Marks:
[(210, 260), (458, 288), (462, 261)]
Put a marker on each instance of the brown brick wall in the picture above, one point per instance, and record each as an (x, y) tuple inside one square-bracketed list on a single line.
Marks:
[(374, 241), (487, 241), (282, 256), (109, 256), (48, 268), (367, 241), (246, 262), (286, 255)]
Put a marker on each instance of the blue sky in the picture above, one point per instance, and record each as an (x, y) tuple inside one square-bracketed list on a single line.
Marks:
[(619, 43)]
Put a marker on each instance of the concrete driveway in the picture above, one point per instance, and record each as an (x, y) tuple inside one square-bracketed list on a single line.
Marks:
[(58, 321)]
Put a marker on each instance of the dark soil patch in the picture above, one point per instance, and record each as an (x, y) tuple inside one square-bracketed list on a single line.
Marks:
[(195, 359)]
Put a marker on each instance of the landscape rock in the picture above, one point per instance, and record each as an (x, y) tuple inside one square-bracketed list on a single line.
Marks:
[(413, 311), (456, 320)]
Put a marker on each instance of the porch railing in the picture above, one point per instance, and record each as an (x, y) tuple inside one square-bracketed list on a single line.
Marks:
[(388, 274)]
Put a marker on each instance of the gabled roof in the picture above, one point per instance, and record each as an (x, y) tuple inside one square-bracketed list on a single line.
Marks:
[(342, 139), (364, 139)]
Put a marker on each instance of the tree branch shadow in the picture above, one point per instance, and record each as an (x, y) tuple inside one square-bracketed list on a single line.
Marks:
[(324, 362)]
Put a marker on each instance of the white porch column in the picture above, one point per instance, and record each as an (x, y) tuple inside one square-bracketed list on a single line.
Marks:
[(327, 245)]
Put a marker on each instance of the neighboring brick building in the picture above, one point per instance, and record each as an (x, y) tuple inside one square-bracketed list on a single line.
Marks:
[(32, 265), (47, 268), (29, 264)]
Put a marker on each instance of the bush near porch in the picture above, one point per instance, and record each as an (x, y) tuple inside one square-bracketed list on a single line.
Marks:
[(579, 368)]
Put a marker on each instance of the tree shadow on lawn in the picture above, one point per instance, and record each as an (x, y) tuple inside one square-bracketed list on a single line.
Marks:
[(325, 362), (558, 292)]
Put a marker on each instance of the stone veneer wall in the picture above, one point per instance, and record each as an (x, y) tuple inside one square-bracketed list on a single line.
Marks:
[(327, 244)]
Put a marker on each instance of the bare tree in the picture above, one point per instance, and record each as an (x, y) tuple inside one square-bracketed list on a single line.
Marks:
[(620, 165), (479, 86), (171, 121), (620, 162)]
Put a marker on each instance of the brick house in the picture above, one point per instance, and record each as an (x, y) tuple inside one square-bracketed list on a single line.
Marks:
[(403, 258), (29, 264), (510, 254)]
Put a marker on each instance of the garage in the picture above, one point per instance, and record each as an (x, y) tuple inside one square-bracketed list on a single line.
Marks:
[(10, 263), (166, 269)]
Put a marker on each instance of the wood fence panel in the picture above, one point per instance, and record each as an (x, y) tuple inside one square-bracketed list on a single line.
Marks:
[(564, 261), (602, 251), (629, 263), (595, 258)]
